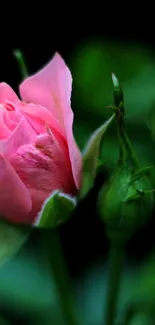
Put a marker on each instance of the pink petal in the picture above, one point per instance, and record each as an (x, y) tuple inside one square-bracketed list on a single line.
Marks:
[(51, 88), (11, 106), (4, 130), (13, 110), (23, 134), (74, 152), (15, 202), (9, 122), (7, 93), (43, 167), (38, 116)]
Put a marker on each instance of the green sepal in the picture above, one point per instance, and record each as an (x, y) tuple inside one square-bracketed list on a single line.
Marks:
[(142, 172), (56, 209), (91, 157)]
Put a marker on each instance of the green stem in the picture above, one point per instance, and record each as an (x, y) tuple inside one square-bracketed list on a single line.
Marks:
[(116, 263), (126, 149), (61, 277), (125, 144), (22, 65)]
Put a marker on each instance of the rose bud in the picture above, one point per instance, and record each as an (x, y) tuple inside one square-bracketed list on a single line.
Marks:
[(126, 201)]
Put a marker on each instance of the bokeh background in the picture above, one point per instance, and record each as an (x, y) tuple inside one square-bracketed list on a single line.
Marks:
[(93, 45)]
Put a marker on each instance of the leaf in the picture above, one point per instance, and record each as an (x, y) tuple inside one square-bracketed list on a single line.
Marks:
[(56, 209), (90, 157), (12, 237)]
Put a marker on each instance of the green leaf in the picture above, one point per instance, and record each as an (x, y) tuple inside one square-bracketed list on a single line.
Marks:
[(12, 237), (55, 210), (91, 156)]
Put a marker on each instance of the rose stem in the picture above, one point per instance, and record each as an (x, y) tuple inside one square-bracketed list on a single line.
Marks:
[(61, 276), (116, 262)]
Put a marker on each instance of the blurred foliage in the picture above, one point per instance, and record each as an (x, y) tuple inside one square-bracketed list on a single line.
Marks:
[(29, 296), (11, 239), (142, 297), (26, 290), (92, 65)]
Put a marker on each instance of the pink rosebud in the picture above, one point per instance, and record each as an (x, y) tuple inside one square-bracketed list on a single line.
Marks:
[(38, 153)]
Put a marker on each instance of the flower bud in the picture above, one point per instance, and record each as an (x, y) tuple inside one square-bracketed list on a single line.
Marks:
[(126, 201)]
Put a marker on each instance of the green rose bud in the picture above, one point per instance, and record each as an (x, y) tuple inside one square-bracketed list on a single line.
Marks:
[(126, 201)]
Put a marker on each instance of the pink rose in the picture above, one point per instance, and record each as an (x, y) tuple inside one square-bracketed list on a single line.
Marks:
[(38, 153)]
